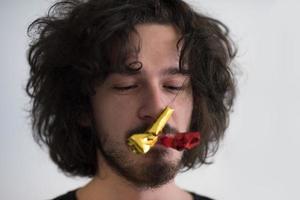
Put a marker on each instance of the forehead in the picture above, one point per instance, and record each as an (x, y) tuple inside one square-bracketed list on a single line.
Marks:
[(155, 37), (153, 32)]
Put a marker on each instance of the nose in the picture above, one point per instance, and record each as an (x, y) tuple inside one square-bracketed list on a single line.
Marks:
[(153, 101)]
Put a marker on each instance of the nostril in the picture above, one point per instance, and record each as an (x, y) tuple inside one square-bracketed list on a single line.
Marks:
[(152, 101), (147, 118), (149, 114)]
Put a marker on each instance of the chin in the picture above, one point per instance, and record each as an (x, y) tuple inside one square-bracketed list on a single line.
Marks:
[(162, 154)]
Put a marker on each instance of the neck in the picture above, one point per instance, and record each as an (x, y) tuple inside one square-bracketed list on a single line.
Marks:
[(109, 185)]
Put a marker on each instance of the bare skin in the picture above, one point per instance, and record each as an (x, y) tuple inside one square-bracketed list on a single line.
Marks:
[(140, 100), (113, 187)]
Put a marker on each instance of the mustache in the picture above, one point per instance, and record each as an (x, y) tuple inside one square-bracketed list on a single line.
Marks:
[(142, 128)]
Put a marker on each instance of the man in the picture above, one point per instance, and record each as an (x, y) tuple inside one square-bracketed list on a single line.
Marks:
[(103, 70)]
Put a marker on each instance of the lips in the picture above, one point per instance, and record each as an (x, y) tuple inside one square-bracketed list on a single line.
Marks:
[(180, 141)]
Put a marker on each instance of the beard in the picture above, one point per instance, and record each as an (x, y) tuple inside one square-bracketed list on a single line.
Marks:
[(143, 171)]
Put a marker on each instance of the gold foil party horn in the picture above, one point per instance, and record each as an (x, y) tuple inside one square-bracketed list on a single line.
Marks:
[(141, 143)]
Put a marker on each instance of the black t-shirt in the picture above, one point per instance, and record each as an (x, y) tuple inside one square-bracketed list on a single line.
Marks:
[(72, 196)]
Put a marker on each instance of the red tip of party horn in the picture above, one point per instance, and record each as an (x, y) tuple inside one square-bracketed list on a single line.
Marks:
[(181, 141)]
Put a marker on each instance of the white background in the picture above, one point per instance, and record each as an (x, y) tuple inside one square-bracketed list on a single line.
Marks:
[(257, 160)]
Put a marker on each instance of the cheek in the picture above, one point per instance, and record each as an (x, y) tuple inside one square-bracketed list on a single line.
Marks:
[(187, 114), (112, 115), (183, 109)]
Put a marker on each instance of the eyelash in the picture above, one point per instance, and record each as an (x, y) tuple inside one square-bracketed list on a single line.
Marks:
[(125, 88), (130, 87), (174, 88)]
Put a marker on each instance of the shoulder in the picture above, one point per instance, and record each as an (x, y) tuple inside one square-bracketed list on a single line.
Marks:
[(68, 196), (199, 197)]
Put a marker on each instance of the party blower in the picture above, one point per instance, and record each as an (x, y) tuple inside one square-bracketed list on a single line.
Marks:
[(141, 143)]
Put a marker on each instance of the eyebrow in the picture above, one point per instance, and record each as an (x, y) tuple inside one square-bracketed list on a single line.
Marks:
[(165, 72), (175, 71)]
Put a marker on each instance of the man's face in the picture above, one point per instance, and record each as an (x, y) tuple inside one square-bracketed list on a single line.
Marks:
[(129, 103)]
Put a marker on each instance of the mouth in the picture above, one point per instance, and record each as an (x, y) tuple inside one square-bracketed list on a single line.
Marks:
[(143, 142)]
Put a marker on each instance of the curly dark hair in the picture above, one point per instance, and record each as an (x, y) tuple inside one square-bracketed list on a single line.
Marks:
[(79, 43)]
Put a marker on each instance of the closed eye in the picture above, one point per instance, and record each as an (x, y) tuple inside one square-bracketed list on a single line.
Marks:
[(125, 88), (174, 88)]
